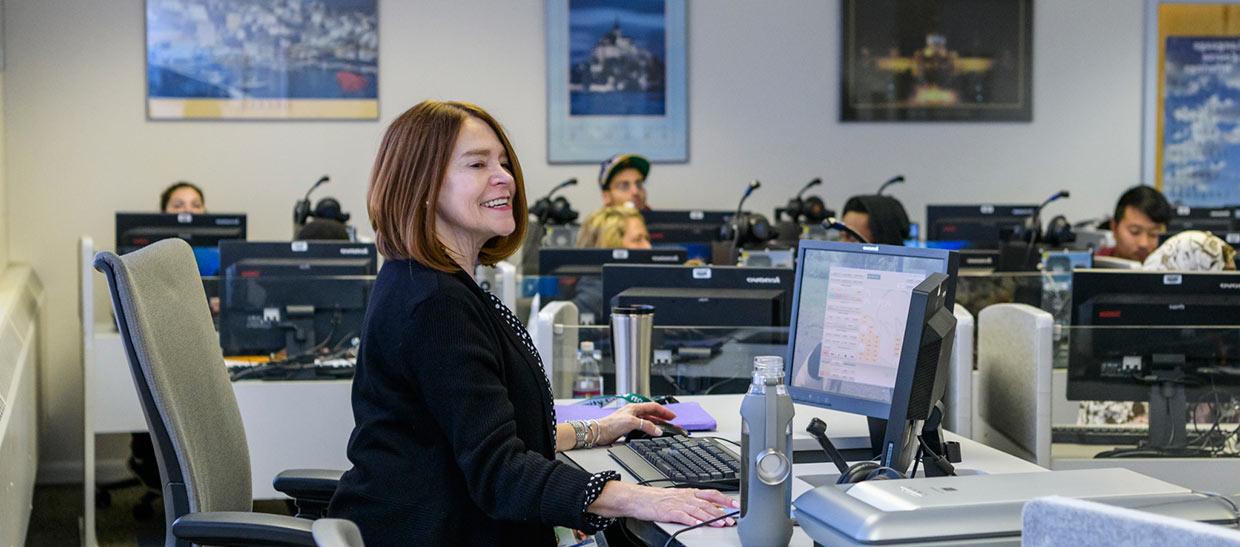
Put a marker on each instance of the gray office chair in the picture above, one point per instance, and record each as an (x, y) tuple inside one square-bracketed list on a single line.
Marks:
[(336, 533), (1055, 521), (191, 411)]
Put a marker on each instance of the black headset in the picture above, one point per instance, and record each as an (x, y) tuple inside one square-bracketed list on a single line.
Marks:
[(811, 210), (754, 228), (327, 208), (1059, 232), (861, 471), (555, 211)]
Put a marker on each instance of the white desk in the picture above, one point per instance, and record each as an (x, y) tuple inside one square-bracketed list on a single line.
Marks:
[(726, 410)]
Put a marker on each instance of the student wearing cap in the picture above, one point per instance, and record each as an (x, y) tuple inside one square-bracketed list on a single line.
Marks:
[(622, 179)]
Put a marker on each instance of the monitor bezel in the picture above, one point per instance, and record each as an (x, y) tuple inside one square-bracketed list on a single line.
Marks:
[(838, 402)]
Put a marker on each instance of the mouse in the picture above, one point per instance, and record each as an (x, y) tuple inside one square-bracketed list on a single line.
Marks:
[(669, 430)]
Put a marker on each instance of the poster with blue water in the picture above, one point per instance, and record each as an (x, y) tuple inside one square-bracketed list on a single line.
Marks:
[(277, 59), (1201, 121), (617, 57), (616, 80)]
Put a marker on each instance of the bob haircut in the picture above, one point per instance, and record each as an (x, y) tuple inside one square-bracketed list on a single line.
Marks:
[(408, 173), (606, 227)]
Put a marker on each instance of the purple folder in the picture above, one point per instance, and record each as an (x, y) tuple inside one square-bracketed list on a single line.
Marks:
[(690, 416)]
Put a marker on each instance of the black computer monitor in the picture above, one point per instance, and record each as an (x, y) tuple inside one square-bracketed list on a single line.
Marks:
[(202, 232), (1218, 220), (871, 334), (692, 230), (974, 226), (303, 297), (702, 296), (576, 262), (1155, 336)]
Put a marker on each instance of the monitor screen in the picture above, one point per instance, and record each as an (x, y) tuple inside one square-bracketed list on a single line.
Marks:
[(849, 318), (974, 226), (203, 233)]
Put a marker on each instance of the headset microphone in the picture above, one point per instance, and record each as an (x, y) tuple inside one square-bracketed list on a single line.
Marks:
[(893, 180)]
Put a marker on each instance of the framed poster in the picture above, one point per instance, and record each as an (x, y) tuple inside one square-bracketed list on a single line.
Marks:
[(240, 59), (936, 60), (1191, 127), (616, 80)]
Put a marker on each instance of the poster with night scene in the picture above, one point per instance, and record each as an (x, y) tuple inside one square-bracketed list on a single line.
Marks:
[(1201, 121), (616, 80), (936, 60), (278, 59)]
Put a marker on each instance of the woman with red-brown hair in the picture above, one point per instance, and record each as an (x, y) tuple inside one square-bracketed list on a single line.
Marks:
[(455, 435)]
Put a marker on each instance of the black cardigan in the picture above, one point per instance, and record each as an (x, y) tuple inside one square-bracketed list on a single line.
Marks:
[(453, 441)]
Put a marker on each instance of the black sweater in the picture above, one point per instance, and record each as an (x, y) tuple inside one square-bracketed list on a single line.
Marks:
[(453, 441)]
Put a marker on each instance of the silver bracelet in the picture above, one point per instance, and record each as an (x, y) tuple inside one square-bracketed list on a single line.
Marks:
[(594, 427), (580, 431)]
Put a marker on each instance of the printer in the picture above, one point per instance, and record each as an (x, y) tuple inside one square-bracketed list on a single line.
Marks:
[(980, 509)]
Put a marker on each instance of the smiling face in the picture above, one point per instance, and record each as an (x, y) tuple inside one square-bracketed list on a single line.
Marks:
[(475, 198)]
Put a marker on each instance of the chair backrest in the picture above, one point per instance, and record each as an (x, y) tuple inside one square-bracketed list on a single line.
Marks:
[(1054, 521), (959, 396), (336, 533), (178, 369), (1014, 360)]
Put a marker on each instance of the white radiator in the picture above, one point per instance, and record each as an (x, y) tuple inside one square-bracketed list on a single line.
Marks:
[(21, 304)]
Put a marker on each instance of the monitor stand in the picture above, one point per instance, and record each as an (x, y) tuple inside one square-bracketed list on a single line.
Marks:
[(905, 440), (299, 333), (1168, 415)]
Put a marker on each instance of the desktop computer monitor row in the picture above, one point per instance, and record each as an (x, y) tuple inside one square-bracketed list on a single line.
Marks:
[(1166, 338)]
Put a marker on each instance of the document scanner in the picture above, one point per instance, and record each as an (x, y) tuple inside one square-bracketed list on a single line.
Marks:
[(980, 509)]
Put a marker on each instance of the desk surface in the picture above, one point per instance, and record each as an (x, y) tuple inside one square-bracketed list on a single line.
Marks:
[(849, 428)]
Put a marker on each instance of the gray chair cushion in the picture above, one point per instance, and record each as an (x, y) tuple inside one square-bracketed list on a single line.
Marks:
[(336, 533), (164, 307), (1055, 521)]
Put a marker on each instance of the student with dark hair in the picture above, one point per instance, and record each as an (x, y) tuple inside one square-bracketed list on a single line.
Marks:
[(879, 219), (1141, 215), (182, 197)]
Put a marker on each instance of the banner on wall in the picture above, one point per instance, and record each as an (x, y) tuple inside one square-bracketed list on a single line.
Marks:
[(240, 59), (1196, 114)]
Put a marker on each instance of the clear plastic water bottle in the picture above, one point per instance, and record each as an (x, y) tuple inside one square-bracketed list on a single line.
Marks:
[(766, 457), (589, 382)]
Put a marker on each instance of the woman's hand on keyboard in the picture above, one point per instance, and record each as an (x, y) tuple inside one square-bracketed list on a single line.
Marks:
[(686, 506)]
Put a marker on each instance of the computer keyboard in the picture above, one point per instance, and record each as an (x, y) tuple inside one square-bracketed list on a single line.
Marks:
[(1101, 434), (670, 461)]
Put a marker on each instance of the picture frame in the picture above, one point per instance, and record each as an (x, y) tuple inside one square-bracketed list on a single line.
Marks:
[(239, 59), (616, 80), (936, 61), (1190, 141)]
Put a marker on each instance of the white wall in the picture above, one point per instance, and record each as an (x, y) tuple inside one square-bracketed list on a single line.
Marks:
[(763, 102)]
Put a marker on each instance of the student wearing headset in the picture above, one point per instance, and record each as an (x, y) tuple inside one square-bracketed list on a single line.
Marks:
[(877, 218)]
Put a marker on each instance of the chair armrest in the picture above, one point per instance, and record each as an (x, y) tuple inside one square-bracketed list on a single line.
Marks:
[(316, 484), (242, 529)]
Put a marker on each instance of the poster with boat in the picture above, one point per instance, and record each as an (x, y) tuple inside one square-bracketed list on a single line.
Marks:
[(616, 80), (278, 59)]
